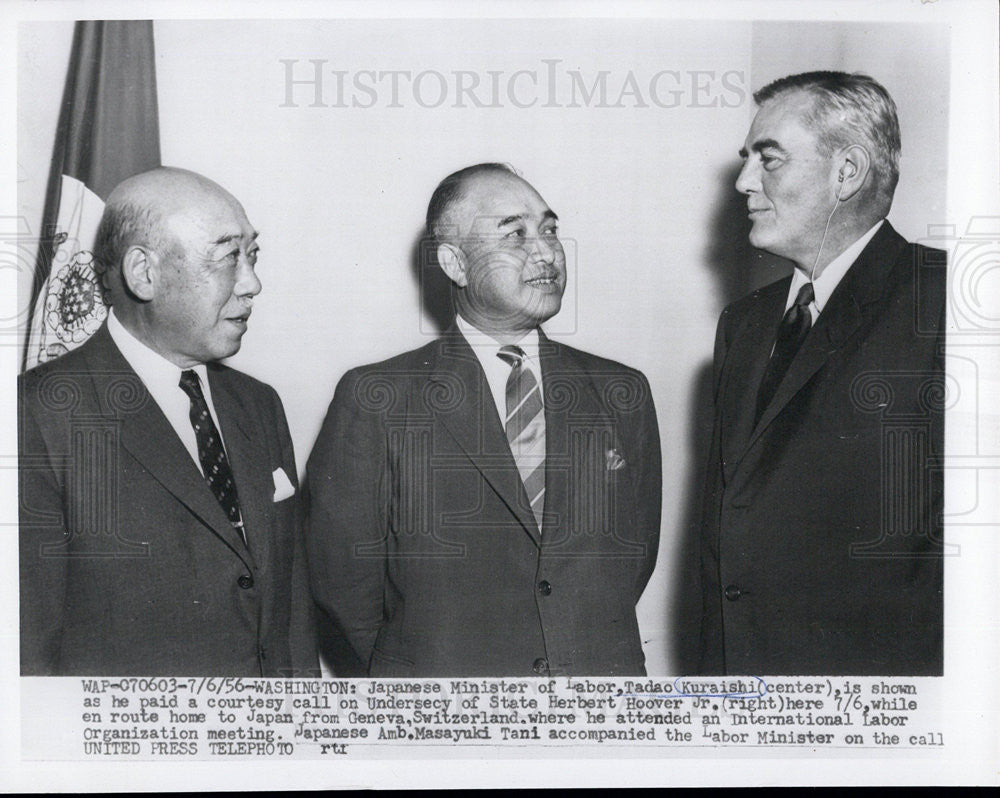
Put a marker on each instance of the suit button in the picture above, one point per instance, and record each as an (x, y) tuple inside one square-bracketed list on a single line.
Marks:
[(245, 581), (732, 592), (544, 588), (540, 666)]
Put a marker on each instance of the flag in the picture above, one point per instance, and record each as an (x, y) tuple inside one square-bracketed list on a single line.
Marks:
[(108, 131)]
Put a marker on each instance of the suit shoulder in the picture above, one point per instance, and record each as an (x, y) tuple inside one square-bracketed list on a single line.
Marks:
[(624, 386), (414, 360), (240, 379), (71, 363), (762, 294), (930, 264), (735, 313), (369, 384), (597, 365), (249, 390), (938, 255), (622, 390), (921, 256)]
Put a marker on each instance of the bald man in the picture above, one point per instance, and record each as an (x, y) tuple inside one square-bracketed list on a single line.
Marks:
[(160, 524), (488, 504)]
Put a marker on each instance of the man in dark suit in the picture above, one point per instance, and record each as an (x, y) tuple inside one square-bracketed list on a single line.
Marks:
[(160, 530), (488, 504), (822, 550)]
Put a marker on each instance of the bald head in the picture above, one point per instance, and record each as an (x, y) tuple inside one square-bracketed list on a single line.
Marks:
[(179, 258), (445, 211), (166, 187), (139, 211)]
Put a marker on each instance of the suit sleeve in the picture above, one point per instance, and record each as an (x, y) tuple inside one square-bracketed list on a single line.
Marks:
[(42, 563), (346, 530), (302, 621), (710, 657), (649, 486)]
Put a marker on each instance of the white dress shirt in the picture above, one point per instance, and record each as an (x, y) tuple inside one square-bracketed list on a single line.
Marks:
[(830, 277), (497, 371), (162, 379)]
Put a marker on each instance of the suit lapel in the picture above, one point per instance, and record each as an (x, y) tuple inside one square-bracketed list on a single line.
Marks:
[(571, 398), (148, 436), (475, 425), (744, 368), (844, 314)]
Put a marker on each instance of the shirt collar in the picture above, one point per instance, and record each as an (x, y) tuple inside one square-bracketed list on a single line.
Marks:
[(156, 372), (828, 280), (486, 347)]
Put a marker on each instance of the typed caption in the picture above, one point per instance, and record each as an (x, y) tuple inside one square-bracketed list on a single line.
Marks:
[(218, 718)]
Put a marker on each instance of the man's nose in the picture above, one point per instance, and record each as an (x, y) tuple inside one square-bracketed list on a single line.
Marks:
[(248, 284), (749, 177), (545, 249)]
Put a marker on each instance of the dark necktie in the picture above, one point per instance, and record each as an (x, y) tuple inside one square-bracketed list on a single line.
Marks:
[(214, 462), (525, 427), (792, 332)]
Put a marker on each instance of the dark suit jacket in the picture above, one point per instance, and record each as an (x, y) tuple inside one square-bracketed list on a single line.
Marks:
[(822, 546), (422, 546), (128, 563)]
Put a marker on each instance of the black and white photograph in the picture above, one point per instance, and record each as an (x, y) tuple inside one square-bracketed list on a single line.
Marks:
[(481, 391)]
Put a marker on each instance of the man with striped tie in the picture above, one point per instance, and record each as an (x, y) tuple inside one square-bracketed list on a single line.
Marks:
[(488, 504)]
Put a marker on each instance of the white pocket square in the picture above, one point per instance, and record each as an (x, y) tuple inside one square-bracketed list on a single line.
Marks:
[(283, 487), (613, 461)]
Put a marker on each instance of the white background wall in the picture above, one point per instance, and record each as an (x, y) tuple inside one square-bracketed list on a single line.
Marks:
[(655, 232)]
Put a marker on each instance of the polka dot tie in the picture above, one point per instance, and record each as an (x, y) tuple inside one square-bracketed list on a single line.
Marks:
[(214, 463), (525, 427)]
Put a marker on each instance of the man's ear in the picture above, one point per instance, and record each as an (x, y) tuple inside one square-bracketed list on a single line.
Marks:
[(855, 164), (139, 273), (452, 261)]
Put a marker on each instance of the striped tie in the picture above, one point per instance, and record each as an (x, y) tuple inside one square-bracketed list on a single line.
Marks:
[(525, 426)]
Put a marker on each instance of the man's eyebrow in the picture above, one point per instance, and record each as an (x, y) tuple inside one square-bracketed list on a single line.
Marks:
[(229, 238), (548, 214), (761, 145)]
